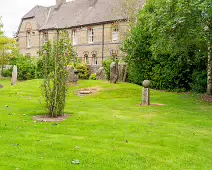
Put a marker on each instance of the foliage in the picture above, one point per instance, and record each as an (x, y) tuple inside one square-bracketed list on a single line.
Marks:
[(8, 48), (169, 43), (83, 70), (92, 77), (7, 72), (55, 60), (199, 81), (26, 67)]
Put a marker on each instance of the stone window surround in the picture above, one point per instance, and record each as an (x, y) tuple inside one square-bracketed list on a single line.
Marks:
[(90, 35), (115, 32), (28, 36), (74, 37), (45, 37)]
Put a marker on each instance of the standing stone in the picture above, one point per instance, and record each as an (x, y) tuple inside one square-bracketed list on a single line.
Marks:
[(123, 71), (101, 74), (146, 93), (72, 77), (114, 73), (14, 75)]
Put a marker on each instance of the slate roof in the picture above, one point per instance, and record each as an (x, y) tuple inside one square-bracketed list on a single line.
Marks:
[(75, 13)]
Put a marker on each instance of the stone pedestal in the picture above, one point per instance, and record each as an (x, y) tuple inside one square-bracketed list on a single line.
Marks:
[(146, 93), (14, 75), (146, 97)]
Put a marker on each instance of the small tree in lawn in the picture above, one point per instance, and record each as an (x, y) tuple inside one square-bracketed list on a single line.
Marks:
[(55, 60)]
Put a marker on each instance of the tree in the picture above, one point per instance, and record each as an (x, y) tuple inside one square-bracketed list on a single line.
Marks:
[(55, 61), (174, 28), (8, 48)]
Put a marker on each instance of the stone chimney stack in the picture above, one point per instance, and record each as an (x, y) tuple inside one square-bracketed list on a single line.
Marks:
[(59, 3), (92, 2)]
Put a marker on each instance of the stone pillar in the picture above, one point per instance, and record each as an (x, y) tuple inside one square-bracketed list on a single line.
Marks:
[(72, 77), (146, 93), (114, 73), (14, 75)]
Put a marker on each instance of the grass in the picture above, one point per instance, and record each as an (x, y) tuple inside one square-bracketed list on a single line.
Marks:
[(106, 130)]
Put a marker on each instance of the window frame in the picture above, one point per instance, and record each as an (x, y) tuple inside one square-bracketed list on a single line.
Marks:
[(45, 37), (86, 59), (115, 33), (90, 35), (74, 37), (29, 43), (95, 59)]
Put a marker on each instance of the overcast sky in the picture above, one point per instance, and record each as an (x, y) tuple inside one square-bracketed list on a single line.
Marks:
[(13, 10)]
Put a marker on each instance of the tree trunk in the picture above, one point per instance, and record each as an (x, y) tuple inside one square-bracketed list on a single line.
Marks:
[(209, 86)]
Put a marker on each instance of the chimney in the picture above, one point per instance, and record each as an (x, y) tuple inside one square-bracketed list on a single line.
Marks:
[(92, 2), (59, 3)]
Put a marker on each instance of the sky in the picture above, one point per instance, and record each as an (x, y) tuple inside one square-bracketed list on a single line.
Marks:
[(13, 10)]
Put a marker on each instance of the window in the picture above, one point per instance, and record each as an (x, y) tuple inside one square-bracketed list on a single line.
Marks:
[(115, 33), (45, 37), (74, 36), (95, 59), (28, 40), (86, 58), (90, 35)]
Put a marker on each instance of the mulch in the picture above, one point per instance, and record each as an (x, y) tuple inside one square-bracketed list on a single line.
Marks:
[(46, 118), (207, 98)]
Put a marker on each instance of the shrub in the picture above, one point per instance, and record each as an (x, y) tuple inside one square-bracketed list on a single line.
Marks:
[(55, 61), (39, 68), (26, 67), (199, 81), (93, 77), (7, 72), (83, 71)]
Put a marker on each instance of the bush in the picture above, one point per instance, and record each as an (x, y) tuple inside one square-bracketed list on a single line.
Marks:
[(26, 67), (7, 73), (83, 71), (39, 68), (199, 81), (93, 77)]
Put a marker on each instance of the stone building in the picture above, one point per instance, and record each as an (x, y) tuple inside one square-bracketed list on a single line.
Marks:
[(95, 29)]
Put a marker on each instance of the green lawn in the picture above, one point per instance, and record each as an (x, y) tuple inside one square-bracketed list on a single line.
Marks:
[(106, 130)]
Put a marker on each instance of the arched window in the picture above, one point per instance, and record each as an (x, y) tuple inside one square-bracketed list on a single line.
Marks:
[(95, 61), (86, 58), (28, 40), (94, 57)]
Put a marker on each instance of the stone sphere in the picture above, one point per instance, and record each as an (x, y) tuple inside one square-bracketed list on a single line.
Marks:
[(146, 83)]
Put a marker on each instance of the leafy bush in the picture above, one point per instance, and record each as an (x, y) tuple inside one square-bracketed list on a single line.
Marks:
[(199, 81), (26, 67), (55, 61), (83, 71), (93, 77), (167, 69), (7, 72), (39, 68)]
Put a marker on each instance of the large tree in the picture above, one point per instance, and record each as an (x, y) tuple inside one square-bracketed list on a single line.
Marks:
[(8, 47), (173, 28)]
